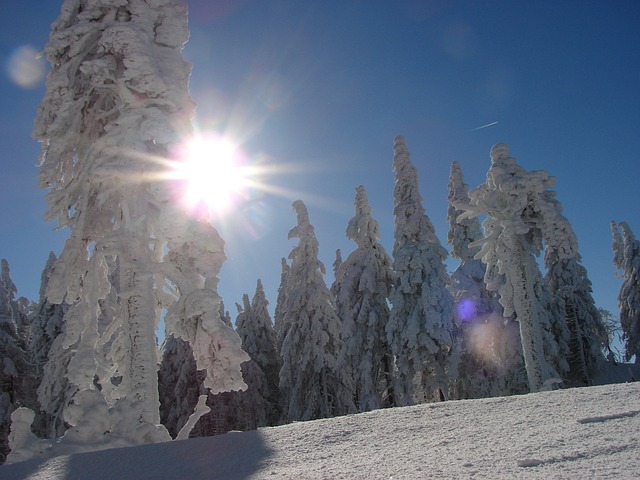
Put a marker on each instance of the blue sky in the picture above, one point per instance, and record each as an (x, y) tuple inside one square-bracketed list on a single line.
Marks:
[(319, 89)]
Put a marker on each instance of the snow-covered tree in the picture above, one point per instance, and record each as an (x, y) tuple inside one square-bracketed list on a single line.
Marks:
[(226, 413), (10, 352), (192, 265), (337, 262), (46, 326), (263, 351), (467, 281), (362, 287), (491, 358), (626, 257), (116, 102), (179, 384), (573, 303), (17, 377), (278, 315), (311, 382), (51, 359), (258, 402), (521, 213), (257, 405), (420, 327)]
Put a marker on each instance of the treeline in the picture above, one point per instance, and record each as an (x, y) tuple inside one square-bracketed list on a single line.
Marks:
[(392, 330)]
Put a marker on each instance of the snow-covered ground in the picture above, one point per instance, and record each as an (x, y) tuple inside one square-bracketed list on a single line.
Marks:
[(576, 433)]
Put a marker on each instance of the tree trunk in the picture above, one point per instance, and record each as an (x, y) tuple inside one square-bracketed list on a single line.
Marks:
[(526, 307), (140, 374)]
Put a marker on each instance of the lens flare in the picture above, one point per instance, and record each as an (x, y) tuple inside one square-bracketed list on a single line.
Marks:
[(466, 309), (25, 68)]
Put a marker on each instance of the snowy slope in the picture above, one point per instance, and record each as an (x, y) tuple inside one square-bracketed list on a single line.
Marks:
[(578, 433)]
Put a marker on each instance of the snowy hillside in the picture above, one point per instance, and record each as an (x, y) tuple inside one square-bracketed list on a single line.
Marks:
[(576, 433)]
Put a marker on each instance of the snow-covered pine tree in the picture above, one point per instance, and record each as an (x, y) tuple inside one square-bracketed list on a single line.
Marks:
[(179, 384), (226, 413), (491, 360), (17, 377), (259, 402), (266, 355), (572, 302), (521, 213), (311, 382), (10, 352), (100, 115), (337, 262), (240, 410), (46, 326), (278, 315), (116, 102), (362, 287), (467, 281), (626, 257), (420, 327)]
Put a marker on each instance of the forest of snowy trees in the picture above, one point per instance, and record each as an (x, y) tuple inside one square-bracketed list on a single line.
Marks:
[(81, 367)]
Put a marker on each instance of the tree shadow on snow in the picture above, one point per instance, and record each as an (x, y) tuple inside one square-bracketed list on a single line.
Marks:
[(233, 456)]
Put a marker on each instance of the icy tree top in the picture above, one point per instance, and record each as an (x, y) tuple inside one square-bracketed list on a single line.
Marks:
[(626, 249), (306, 253), (304, 228), (519, 202), (617, 246), (46, 273), (362, 228), (337, 262), (5, 277), (259, 296), (464, 231), (411, 223), (7, 294)]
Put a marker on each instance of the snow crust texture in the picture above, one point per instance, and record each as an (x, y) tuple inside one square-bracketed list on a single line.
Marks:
[(586, 433)]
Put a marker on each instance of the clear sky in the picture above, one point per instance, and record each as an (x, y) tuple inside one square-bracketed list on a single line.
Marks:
[(319, 89)]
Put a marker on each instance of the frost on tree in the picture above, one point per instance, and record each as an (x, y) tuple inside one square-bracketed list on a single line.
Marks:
[(420, 327), (13, 358), (521, 213), (179, 384), (256, 406), (311, 382), (193, 306), (278, 315), (337, 262), (49, 382), (467, 281), (259, 341), (491, 358), (626, 257), (261, 373), (362, 287), (225, 316), (116, 105), (573, 305)]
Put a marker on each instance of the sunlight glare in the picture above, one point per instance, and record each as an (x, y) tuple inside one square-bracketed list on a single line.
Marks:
[(213, 174)]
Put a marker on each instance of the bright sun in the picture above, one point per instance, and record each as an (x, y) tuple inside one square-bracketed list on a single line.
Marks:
[(212, 174)]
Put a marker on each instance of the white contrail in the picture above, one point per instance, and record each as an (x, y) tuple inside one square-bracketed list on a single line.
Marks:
[(483, 126)]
